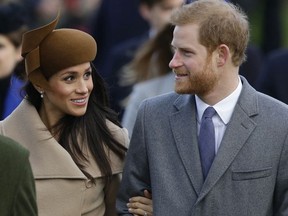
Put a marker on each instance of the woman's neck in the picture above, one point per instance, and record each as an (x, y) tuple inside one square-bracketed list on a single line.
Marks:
[(48, 118)]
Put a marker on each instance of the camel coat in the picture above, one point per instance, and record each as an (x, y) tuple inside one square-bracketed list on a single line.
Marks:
[(61, 188)]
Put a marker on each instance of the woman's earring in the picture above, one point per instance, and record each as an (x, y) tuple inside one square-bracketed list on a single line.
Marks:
[(41, 94)]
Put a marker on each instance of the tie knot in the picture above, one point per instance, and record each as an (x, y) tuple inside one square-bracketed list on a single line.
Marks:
[(209, 112)]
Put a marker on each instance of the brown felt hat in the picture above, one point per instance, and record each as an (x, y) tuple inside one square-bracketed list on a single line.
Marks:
[(47, 51)]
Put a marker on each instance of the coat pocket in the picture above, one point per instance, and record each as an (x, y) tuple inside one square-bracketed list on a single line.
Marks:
[(251, 174)]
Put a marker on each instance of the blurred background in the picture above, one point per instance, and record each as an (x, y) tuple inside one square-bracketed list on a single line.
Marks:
[(267, 17), (114, 22)]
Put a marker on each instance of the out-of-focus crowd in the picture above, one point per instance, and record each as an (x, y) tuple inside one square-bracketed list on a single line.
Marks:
[(133, 45)]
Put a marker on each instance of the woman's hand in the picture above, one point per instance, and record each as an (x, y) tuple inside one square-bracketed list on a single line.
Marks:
[(141, 205)]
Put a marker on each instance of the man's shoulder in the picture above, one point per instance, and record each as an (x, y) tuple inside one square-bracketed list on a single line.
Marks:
[(271, 104), (169, 97), (11, 149), (166, 101)]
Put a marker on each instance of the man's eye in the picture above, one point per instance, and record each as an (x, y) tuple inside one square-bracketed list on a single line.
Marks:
[(187, 53)]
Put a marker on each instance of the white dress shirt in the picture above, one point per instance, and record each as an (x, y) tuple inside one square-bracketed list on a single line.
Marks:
[(224, 110)]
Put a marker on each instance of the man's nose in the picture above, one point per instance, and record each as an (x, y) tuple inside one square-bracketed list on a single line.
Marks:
[(175, 61)]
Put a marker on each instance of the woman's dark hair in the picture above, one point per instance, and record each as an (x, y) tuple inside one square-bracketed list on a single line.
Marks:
[(91, 127), (151, 59)]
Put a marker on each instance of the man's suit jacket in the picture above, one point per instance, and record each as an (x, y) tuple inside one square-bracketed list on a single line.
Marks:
[(249, 175), (17, 187)]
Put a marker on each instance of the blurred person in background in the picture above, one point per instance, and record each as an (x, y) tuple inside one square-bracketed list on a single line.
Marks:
[(157, 14), (79, 13), (114, 22), (46, 10), (13, 24), (251, 68), (149, 73), (274, 75)]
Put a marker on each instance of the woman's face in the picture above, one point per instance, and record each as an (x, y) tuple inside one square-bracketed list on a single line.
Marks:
[(69, 92), (9, 56)]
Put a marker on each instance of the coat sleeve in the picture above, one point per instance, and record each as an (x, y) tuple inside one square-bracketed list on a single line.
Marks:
[(25, 200), (136, 177), (281, 189)]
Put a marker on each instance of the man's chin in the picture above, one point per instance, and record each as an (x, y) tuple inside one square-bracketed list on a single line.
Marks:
[(183, 91)]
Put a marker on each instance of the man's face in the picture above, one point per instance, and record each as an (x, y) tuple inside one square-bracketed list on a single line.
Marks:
[(191, 63), (159, 14)]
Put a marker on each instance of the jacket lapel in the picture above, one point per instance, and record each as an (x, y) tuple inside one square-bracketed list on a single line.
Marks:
[(186, 138), (48, 158), (237, 132)]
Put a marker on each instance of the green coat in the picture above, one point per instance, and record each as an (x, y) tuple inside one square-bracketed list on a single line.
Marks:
[(17, 187)]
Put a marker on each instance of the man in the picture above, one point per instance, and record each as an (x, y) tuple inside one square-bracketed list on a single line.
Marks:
[(17, 187), (240, 166)]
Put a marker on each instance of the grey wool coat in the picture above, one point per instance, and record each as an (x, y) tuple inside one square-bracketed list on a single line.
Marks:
[(249, 176)]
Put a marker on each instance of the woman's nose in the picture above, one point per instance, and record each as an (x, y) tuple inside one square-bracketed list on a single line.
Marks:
[(82, 87)]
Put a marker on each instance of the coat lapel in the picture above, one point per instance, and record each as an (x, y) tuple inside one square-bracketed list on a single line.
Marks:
[(185, 136), (237, 132), (48, 158)]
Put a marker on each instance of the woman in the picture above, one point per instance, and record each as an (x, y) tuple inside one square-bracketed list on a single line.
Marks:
[(12, 26), (76, 144)]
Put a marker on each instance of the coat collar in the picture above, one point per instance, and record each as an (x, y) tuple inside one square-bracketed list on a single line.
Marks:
[(238, 130), (48, 158), (186, 138)]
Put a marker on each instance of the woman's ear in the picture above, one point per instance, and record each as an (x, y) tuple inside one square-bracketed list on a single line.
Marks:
[(18, 53), (223, 53), (39, 88)]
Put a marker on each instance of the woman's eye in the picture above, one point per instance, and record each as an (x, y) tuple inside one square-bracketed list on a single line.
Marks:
[(87, 75), (69, 78)]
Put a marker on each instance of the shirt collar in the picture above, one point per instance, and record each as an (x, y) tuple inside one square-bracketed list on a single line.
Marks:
[(224, 108)]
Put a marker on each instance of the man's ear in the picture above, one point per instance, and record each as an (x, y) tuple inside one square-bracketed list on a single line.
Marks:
[(223, 53)]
